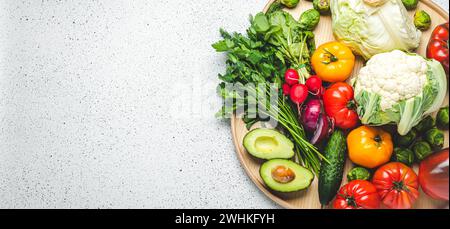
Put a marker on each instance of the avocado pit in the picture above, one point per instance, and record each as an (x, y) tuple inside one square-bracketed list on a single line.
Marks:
[(283, 174)]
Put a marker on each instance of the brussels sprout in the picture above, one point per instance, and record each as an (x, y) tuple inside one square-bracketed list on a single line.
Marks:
[(422, 20), (323, 6), (407, 140), (290, 3), (442, 118), (309, 19), (435, 137), (426, 124), (410, 4), (358, 173), (405, 156), (275, 6), (422, 150)]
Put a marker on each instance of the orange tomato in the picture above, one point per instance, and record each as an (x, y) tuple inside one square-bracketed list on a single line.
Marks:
[(369, 147), (333, 62)]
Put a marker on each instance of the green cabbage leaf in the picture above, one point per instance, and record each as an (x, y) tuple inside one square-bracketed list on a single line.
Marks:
[(369, 30)]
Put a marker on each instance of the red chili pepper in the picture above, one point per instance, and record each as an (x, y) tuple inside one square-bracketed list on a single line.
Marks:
[(438, 45)]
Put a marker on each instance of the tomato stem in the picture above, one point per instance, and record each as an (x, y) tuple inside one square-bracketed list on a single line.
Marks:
[(377, 139), (351, 105), (331, 57), (400, 186), (351, 201)]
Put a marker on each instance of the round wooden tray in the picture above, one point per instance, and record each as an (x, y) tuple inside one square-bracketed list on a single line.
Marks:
[(310, 198)]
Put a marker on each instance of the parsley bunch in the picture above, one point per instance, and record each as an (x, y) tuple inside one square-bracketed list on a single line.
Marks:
[(255, 66)]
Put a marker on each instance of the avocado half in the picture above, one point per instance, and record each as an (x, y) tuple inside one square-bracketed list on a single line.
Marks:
[(285, 176), (268, 144)]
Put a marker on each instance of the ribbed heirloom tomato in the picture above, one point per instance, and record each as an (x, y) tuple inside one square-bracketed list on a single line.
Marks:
[(397, 185), (340, 106), (358, 194), (333, 62), (369, 146)]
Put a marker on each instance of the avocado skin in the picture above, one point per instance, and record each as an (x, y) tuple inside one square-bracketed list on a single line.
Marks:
[(265, 171), (331, 173)]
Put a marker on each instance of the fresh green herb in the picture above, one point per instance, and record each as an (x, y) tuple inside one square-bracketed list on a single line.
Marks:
[(254, 67), (248, 60), (275, 6), (291, 43)]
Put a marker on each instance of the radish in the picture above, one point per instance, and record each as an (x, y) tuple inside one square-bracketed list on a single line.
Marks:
[(286, 89), (298, 93), (291, 76), (314, 84)]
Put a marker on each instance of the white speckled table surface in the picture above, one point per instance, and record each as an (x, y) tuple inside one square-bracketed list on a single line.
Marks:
[(99, 105)]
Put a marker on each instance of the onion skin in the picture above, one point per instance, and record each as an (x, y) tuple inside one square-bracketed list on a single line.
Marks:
[(322, 130), (315, 121), (310, 115)]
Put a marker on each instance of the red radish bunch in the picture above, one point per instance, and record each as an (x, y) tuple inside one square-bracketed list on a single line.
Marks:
[(312, 114), (299, 92), (291, 76), (286, 89), (314, 84)]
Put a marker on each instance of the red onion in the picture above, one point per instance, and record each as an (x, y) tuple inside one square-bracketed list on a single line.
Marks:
[(315, 121), (322, 130), (310, 114)]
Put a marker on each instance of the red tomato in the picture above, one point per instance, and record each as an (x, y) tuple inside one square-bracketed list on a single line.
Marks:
[(340, 106), (438, 45), (397, 185), (358, 194)]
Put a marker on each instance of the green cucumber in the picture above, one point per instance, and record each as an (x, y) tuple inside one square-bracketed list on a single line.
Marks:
[(331, 173)]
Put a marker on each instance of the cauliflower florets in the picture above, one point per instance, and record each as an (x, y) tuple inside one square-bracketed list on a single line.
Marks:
[(395, 76)]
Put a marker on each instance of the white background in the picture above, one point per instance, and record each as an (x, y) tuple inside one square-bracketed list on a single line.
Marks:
[(88, 91)]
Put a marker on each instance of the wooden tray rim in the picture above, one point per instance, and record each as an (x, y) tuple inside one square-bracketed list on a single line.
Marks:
[(438, 9)]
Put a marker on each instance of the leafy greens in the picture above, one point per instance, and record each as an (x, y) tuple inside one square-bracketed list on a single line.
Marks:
[(274, 41), (369, 30)]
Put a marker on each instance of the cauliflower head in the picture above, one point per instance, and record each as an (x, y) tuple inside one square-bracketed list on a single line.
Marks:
[(398, 87)]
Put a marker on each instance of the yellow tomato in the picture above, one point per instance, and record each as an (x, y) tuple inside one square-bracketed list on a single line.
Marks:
[(333, 62), (369, 147)]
